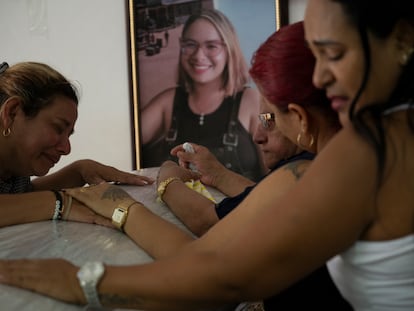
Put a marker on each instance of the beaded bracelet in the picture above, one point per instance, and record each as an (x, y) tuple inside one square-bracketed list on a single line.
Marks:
[(57, 215)]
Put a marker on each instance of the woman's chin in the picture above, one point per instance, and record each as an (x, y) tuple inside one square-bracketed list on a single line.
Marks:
[(42, 171)]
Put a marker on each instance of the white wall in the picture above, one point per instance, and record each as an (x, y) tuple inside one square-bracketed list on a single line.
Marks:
[(296, 10), (86, 40)]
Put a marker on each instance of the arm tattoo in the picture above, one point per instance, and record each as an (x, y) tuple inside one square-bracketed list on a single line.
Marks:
[(116, 300), (114, 193)]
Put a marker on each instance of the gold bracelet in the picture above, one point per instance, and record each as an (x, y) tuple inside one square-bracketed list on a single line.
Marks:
[(163, 186)]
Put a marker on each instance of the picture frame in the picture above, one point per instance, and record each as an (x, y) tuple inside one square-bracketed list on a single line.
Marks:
[(153, 26)]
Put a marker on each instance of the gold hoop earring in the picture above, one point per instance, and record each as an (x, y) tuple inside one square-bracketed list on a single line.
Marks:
[(6, 132), (298, 139), (312, 141)]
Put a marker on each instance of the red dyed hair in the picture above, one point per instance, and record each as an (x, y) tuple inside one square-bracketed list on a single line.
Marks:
[(282, 68)]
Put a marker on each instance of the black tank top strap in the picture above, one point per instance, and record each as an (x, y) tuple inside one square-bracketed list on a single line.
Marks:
[(231, 138)]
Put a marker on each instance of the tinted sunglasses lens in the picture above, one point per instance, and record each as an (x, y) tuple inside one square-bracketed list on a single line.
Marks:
[(266, 119)]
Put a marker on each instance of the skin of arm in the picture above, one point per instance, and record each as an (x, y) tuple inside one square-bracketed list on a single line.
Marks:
[(158, 237), (14, 207), (40, 205), (266, 244), (249, 109), (156, 116), (194, 210), (83, 172)]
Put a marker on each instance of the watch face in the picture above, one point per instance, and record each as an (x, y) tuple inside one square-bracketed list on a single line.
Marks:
[(119, 215)]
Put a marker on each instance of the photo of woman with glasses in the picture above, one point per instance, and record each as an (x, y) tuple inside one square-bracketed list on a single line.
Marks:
[(212, 104)]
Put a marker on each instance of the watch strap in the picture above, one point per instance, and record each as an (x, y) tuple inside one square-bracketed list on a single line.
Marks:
[(89, 276), (92, 296)]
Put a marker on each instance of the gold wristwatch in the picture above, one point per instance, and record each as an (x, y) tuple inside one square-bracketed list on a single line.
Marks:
[(120, 214), (163, 185)]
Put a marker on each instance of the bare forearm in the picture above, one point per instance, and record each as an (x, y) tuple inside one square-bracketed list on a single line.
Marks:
[(153, 289), (231, 183), (156, 236), (67, 177), (27, 207), (193, 209)]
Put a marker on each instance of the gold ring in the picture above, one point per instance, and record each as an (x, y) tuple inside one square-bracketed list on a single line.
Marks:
[(83, 190)]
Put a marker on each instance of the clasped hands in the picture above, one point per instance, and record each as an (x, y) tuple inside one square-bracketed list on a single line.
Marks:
[(102, 199)]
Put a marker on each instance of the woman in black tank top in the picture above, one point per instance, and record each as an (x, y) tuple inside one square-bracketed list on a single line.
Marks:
[(211, 105)]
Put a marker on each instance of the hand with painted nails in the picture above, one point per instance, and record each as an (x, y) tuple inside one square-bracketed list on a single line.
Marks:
[(93, 172)]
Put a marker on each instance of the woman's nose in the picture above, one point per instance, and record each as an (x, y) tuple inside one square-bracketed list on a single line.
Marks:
[(260, 134), (199, 52), (64, 146), (322, 77)]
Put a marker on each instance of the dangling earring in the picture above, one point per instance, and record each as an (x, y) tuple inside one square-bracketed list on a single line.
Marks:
[(312, 141), (405, 56), (6, 132), (298, 139)]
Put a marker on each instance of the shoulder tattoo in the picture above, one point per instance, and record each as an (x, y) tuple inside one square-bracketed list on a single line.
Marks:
[(297, 168)]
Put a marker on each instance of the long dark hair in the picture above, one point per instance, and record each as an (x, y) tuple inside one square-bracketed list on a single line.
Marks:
[(380, 17)]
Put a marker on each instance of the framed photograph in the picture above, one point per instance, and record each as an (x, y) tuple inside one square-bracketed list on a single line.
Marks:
[(155, 28)]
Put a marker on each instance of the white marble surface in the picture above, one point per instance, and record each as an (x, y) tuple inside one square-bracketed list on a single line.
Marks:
[(76, 242)]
